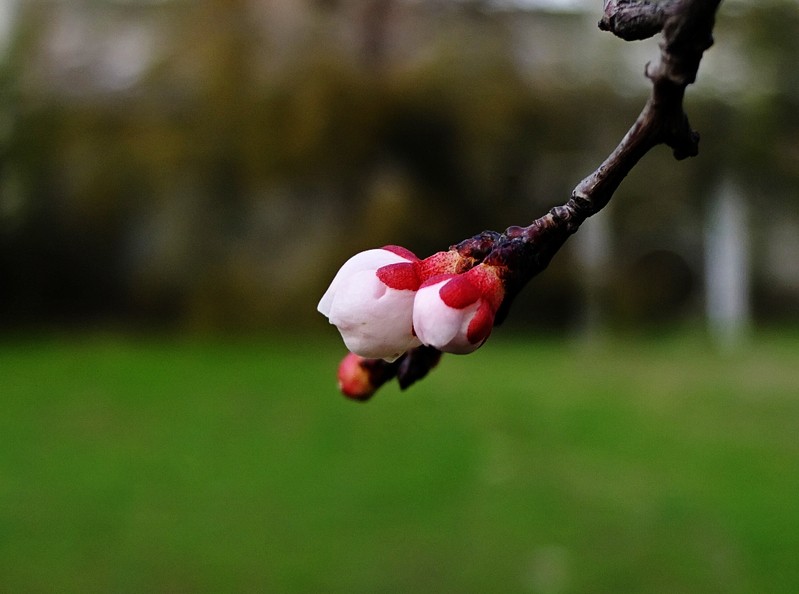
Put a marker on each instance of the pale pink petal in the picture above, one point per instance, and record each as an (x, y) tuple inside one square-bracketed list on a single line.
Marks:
[(445, 327), (367, 260), (374, 320)]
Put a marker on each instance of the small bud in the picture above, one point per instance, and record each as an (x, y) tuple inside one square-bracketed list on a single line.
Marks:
[(354, 381), (359, 378)]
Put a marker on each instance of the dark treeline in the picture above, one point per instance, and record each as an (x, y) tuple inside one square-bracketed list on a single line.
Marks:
[(208, 165)]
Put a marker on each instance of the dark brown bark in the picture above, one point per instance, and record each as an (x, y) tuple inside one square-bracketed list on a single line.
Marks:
[(523, 252), (687, 32)]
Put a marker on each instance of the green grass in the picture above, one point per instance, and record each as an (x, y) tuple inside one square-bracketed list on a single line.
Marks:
[(156, 466)]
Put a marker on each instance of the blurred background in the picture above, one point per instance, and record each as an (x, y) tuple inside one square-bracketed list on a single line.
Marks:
[(179, 182), (208, 165)]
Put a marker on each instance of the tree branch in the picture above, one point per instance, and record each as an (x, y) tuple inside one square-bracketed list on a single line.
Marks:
[(687, 32), (635, 19), (520, 253)]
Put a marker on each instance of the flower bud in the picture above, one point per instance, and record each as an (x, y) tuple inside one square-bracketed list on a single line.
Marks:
[(359, 378), (455, 313), (370, 301)]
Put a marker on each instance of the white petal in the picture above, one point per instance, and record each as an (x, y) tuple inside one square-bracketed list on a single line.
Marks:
[(374, 320), (367, 260), (439, 325), (435, 323), (460, 345)]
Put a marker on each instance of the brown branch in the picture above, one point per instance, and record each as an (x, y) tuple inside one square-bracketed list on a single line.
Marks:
[(635, 19), (687, 32), (522, 252)]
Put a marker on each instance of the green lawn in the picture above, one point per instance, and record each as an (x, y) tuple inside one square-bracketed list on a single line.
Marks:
[(618, 467)]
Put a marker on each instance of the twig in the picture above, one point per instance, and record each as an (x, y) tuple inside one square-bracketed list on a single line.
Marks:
[(635, 19), (522, 252), (687, 27)]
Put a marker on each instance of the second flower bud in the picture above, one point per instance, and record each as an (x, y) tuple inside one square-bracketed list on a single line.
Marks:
[(455, 313)]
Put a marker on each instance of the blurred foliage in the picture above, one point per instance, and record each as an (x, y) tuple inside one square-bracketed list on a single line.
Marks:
[(208, 165)]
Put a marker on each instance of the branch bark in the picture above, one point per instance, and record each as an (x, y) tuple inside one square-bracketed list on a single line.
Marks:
[(687, 27), (635, 19), (522, 252), (687, 33)]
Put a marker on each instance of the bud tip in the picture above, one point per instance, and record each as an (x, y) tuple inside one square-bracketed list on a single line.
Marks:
[(355, 380)]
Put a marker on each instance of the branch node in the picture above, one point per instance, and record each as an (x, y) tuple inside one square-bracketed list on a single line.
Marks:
[(633, 20), (687, 147)]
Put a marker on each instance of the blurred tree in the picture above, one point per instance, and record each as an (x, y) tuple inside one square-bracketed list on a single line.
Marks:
[(209, 163)]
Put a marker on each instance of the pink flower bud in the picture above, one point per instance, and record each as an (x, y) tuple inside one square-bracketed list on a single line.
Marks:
[(370, 301), (354, 380), (359, 378), (455, 313)]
